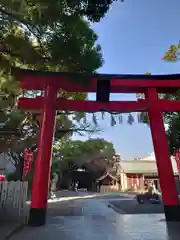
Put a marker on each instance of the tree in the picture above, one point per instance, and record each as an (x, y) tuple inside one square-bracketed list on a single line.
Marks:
[(94, 155), (77, 154), (173, 132), (172, 119), (42, 36), (48, 36), (173, 53)]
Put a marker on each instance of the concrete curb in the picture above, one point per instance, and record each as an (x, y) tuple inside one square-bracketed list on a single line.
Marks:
[(16, 230)]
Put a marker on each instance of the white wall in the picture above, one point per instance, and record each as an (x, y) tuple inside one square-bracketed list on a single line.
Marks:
[(151, 157)]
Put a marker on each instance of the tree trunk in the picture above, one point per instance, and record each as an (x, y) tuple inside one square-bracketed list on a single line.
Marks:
[(19, 165)]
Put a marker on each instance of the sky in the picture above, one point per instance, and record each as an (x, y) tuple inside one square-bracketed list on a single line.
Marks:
[(134, 36)]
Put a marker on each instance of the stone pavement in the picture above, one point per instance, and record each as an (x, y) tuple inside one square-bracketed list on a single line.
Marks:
[(132, 207), (10, 223), (93, 220), (7, 229)]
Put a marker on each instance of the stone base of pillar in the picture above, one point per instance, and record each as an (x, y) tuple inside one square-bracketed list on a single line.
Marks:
[(37, 217), (172, 213)]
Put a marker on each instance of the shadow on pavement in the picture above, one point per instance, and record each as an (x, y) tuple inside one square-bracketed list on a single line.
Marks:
[(132, 207), (173, 230)]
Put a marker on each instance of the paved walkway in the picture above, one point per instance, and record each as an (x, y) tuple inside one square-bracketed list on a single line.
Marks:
[(94, 220), (7, 228)]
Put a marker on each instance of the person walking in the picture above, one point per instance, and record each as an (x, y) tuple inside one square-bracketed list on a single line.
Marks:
[(76, 186)]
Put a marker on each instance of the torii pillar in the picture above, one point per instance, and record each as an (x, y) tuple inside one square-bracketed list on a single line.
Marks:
[(43, 161), (163, 158)]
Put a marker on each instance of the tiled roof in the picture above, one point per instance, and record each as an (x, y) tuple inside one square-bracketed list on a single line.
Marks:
[(106, 175), (143, 166)]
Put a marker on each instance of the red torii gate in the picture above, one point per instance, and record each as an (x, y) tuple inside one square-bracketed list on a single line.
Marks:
[(103, 85)]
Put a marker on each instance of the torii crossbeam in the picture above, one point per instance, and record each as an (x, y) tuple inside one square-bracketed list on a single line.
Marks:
[(103, 85)]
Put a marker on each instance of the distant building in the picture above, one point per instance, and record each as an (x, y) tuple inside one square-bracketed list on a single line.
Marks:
[(107, 180), (136, 174)]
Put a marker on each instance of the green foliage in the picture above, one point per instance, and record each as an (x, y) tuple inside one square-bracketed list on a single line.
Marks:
[(54, 169), (171, 118), (49, 36), (173, 132), (75, 154), (173, 53), (48, 12), (13, 177), (59, 42)]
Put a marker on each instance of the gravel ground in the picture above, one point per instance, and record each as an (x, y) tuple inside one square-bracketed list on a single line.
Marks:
[(132, 207)]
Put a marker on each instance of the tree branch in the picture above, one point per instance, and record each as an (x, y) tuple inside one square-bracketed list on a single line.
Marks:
[(9, 158), (13, 159), (79, 130), (27, 24)]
